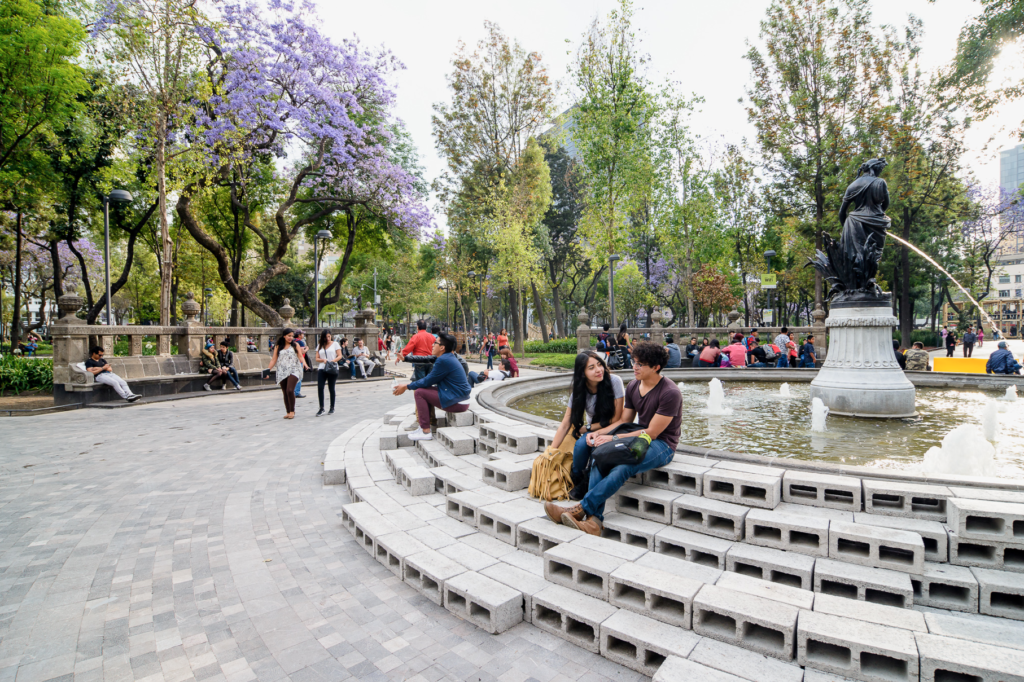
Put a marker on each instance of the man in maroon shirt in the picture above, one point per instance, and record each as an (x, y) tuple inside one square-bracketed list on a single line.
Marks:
[(657, 405)]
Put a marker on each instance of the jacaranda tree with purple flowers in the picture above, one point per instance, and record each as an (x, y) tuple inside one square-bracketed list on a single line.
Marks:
[(280, 92)]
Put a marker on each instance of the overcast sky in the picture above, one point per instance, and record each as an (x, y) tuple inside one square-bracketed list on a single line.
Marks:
[(699, 44)]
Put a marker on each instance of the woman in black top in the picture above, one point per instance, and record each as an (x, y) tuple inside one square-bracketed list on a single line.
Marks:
[(950, 343), (227, 363)]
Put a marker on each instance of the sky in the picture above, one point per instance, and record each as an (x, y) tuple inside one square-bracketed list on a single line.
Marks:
[(700, 45)]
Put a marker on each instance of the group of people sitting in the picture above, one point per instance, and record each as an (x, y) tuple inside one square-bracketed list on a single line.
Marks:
[(745, 351)]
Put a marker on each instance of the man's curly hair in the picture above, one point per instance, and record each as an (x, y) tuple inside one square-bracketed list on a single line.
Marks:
[(650, 354)]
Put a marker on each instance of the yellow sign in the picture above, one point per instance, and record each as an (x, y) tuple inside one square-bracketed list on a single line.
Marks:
[(768, 281)]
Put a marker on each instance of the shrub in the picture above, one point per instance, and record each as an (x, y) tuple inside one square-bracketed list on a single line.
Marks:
[(25, 374), (563, 360), (559, 346), (928, 338)]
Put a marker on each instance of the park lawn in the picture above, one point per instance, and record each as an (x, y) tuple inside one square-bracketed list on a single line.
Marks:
[(553, 360)]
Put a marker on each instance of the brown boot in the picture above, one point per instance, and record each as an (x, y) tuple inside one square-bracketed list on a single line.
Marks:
[(590, 525), (555, 511)]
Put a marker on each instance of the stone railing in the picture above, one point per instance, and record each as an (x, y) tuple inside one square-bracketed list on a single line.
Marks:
[(682, 335), (72, 338)]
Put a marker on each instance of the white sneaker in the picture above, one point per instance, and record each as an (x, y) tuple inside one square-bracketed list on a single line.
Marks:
[(418, 434)]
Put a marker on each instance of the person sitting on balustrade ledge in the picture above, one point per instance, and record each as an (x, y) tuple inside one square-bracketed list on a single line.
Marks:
[(1002, 362), (103, 374)]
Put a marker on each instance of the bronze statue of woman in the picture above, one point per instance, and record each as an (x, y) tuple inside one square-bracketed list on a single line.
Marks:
[(864, 227)]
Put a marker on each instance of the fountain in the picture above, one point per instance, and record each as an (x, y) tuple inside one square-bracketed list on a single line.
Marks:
[(860, 376), (819, 413), (990, 421), (716, 399), (784, 391), (964, 452), (1011, 394)]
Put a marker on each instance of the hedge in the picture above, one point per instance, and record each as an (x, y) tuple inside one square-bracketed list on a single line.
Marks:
[(25, 374), (928, 338), (565, 346)]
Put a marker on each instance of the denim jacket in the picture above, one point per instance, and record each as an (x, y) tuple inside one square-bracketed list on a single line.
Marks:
[(450, 379)]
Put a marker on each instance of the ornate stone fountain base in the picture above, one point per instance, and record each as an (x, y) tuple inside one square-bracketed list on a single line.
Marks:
[(860, 377)]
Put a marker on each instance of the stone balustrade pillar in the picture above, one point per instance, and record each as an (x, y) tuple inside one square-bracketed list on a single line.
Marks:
[(657, 331), (70, 339), (820, 331), (190, 344), (135, 344), (583, 332)]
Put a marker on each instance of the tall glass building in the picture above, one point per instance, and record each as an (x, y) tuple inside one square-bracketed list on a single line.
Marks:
[(1011, 168)]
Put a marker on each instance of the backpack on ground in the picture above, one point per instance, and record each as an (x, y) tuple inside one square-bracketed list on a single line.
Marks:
[(551, 478)]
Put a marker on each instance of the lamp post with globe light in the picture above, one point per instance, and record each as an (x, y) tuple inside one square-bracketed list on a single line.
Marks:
[(118, 196)]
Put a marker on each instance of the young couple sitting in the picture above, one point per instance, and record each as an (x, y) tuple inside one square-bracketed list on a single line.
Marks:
[(598, 407)]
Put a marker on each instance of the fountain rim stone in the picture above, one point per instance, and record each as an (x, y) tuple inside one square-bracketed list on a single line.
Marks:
[(497, 397)]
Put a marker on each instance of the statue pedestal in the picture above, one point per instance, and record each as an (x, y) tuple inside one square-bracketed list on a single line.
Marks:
[(860, 377)]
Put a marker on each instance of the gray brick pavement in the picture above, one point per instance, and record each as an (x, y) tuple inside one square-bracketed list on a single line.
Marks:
[(195, 540)]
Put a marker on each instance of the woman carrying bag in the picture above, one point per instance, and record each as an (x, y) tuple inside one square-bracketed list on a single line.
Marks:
[(328, 357)]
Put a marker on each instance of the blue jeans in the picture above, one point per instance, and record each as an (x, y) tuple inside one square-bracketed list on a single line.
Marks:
[(490, 362), (757, 364), (601, 488), (298, 387), (580, 456), (233, 375), (805, 362), (782, 362)]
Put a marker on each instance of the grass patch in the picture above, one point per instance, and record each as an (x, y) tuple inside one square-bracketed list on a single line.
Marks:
[(553, 360)]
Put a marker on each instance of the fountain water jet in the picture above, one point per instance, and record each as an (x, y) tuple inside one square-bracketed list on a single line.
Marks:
[(716, 399), (964, 452), (990, 421), (1011, 394), (819, 414), (784, 391)]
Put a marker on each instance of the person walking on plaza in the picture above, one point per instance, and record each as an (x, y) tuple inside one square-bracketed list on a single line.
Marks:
[(807, 357), (502, 338), (226, 360), (328, 360), (446, 386), (490, 351), (782, 341), (595, 404), (208, 364), (917, 358), (981, 336), (950, 343), (288, 364), (1002, 361), (104, 374), (300, 340), (969, 338), (656, 404)]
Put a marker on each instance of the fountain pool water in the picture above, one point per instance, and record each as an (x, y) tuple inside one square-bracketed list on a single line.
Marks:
[(819, 413), (716, 400), (762, 424)]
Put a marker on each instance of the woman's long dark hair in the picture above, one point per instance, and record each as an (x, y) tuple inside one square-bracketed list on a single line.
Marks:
[(604, 406), (621, 338), (280, 339), (323, 339)]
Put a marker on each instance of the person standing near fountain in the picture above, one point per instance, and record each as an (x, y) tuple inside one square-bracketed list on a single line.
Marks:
[(950, 343), (969, 339), (782, 341), (657, 405)]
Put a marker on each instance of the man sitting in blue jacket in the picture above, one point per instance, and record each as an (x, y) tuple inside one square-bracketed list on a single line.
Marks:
[(1002, 362), (452, 388)]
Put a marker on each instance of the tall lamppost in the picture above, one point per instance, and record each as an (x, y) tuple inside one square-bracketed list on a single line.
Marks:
[(326, 236), (118, 196), (447, 313), (611, 287), (206, 306), (768, 255)]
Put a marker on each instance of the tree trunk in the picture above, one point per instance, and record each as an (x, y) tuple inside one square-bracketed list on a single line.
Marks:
[(117, 285), (517, 332), (540, 312), (16, 313), (58, 271), (165, 232)]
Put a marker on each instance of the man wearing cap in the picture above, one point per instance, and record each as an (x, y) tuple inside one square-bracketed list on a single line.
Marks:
[(1002, 362)]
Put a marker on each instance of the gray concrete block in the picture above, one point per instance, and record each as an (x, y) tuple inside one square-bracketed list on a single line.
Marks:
[(816, 512), (527, 562), (933, 533), (654, 593), (812, 675), (456, 441), (487, 603), (676, 669), (680, 567), (464, 555), (416, 479), (431, 537), (653, 504), (641, 643), (518, 439), (368, 529), (630, 530), (538, 535), (758, 469), (822, 490), (463, 506), (485, 446), (334, 472), (892, 616), (794, 596), (611, 547), (901, 498), (577, 568), (972, 493), (1000, 593), (502, 519), (741, 487), (506, 475), (943, 586), (856, 649), (523, 581), (488, 545), (855, 543), (985, 554), (875, 585), (572, 616), (777, 566), (691, 546), (354, 510), (427, 572), (987, 520), (755, 623), (946, 658), (997, 631), (805, 534), (460, 418), (389, 441), (392, 549), (746, 665), (677, 477), (712, 517), (451, 526)]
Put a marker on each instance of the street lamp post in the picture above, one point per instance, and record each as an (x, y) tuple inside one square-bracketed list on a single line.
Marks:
[(206, 306), (326, 236), (118, 196), (611, 287), (768, 255)]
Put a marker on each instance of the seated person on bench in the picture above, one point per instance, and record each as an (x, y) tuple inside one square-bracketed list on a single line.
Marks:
[(103, 374)]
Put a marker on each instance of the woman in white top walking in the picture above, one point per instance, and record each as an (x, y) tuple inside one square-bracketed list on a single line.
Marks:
[(288, 365), (328, 355)]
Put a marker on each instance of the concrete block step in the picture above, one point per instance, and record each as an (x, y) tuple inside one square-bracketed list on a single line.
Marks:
[(490, 605), (677, 477), (457, 440), (933, 534), (451, 481), (904, 619), (762, 625), (654, 593), (991, 554), (996, 631), (741, 487), (777, 566), (679, 567), (501, 520), (855, 543), (427, 572), (573, 616), (653, 504), (690, 546), (711, 517), (368, 529), (946, 658), (676, 669), (538, 535), (518, 579), (943, 586), (875, 585), (630, 530), (794, 596), (506, 475), (577, 568), (641, 643), (462, 419), (759, 469), (1000, 593), (803, 534), (856, 649), (987, 520), (822, 490), (393, 548), (909, 500), (418, 480), (744, 664), (610, 547)]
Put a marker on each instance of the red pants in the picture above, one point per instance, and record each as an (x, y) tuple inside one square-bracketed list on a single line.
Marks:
[(426, 400)]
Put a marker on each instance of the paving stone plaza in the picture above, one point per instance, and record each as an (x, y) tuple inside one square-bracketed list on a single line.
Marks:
[(210, 539)]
